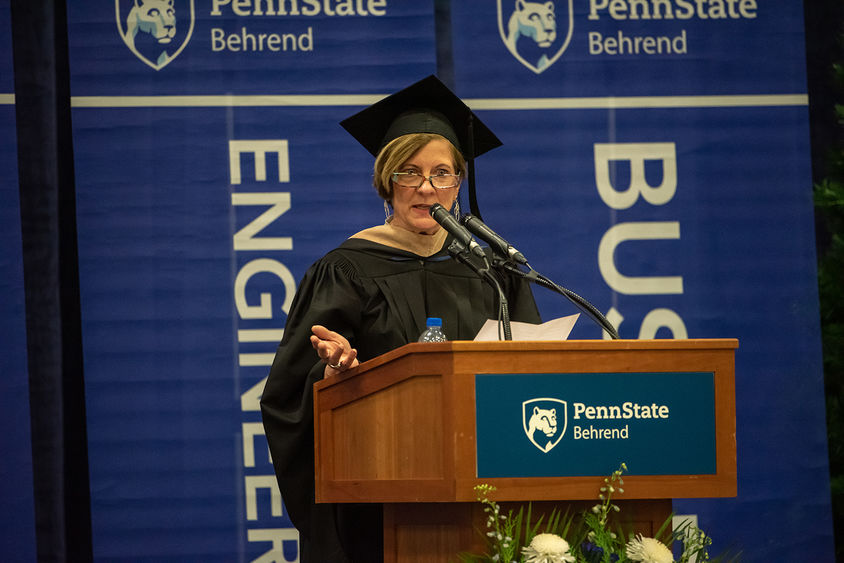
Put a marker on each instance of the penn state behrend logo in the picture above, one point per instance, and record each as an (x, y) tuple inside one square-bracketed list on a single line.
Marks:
[(544, 421), (536, 33), (155, 30)]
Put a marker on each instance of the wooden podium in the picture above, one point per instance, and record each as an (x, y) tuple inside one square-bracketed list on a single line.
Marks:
[(401, 430)]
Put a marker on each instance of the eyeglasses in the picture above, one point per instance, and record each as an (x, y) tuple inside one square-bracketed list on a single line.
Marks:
[(414, 180)]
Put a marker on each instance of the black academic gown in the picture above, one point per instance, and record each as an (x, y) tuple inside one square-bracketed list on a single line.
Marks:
[(379, 298)]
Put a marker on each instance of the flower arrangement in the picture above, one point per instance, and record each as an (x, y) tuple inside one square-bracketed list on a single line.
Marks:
[(515, 538)]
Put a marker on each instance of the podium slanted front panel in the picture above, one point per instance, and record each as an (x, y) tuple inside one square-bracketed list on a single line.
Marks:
[(386, 449), (381, 433)]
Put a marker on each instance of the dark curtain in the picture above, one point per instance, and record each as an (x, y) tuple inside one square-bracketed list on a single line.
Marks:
[(53, 328), (53, 320)]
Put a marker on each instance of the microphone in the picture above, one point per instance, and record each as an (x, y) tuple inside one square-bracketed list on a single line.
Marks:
[(450, 224), (493, 239)]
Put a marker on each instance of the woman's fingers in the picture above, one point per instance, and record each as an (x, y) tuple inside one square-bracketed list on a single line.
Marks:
[(324, 334), (351, 359), (334, 349)]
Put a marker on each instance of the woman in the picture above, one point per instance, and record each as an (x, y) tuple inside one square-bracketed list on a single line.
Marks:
[(373, 294)]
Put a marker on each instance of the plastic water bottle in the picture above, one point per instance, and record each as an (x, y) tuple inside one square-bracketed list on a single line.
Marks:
[(434, 332)]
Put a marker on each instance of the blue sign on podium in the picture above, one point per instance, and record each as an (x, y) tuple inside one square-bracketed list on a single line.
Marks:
[(571, 424)]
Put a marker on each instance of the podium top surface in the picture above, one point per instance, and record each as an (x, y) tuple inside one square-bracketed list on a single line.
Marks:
[(469, 346), (537, 345)]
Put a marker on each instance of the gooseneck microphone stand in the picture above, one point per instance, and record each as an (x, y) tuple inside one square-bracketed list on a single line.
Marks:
[(460, 251), (507, 258), (581, 303)]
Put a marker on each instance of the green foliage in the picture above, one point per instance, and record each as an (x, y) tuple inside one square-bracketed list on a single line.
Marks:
[(829, 207), (593, 539), (596, 521), (507, 534)]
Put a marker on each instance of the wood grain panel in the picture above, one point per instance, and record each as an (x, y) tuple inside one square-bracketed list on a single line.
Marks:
[(385, 436)]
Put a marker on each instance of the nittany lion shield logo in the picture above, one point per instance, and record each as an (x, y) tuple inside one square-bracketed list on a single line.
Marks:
[(155, 30), (536, 33), (544, 421)]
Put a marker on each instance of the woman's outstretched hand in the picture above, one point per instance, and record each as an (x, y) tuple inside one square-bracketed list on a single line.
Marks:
[(334, 350)]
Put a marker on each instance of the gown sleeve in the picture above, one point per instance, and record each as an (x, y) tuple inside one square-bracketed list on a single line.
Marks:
[(327, 295)]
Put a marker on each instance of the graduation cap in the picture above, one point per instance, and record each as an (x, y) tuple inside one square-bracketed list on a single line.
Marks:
[(427, 106)]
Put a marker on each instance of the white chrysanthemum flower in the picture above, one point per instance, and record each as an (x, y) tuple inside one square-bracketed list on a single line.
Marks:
[(648, 550), (548, 548)]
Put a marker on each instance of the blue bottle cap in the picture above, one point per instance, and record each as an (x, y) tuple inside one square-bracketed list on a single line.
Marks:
[(434, 321)]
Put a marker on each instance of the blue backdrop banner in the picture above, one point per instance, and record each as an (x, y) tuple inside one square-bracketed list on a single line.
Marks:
[(662, 150), (211, 172), (655, 160)]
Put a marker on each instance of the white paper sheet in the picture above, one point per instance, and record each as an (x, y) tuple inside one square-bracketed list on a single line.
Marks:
[(556, 329)]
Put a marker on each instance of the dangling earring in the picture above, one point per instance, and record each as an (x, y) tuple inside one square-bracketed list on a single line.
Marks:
[(455, 210), (387, 215)]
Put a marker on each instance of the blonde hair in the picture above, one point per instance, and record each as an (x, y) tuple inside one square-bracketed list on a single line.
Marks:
[(398, 151)]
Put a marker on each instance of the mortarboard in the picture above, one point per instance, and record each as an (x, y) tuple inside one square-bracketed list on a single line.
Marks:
[(427, 106)]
